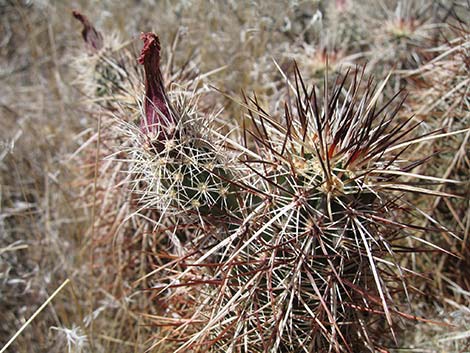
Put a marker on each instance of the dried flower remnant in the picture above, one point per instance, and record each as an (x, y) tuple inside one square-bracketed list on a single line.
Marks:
[(159, 120), (91, 36)]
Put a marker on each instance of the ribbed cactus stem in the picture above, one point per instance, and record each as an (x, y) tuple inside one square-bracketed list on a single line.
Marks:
[(191, 174)]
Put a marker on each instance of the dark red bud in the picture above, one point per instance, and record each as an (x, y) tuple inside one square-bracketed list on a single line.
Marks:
[(91, 36), (158, 115)]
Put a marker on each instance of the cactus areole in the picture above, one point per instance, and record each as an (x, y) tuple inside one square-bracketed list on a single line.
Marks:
[(158, 121)]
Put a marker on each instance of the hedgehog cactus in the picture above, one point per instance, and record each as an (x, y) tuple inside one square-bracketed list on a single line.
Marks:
[(313, 257), (107, 76), (181, 168), (289, 240)]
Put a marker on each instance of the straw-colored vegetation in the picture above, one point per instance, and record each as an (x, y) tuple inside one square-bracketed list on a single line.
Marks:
[(224, 176)]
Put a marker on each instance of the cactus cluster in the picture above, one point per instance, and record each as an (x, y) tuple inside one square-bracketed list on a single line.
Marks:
[(286, 234), (262, 176)]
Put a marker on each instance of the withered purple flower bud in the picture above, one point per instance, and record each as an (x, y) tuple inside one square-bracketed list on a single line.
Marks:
[(91, 36), (158, 114)]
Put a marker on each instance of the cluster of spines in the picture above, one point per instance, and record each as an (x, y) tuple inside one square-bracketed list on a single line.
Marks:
[(315, 252), (312, 243), (308, 249)]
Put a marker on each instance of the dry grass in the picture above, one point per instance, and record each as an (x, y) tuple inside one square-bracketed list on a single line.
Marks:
[(66, 211)]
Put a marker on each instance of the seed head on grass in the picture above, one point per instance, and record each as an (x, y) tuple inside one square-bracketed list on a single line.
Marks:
[(75, 340)]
